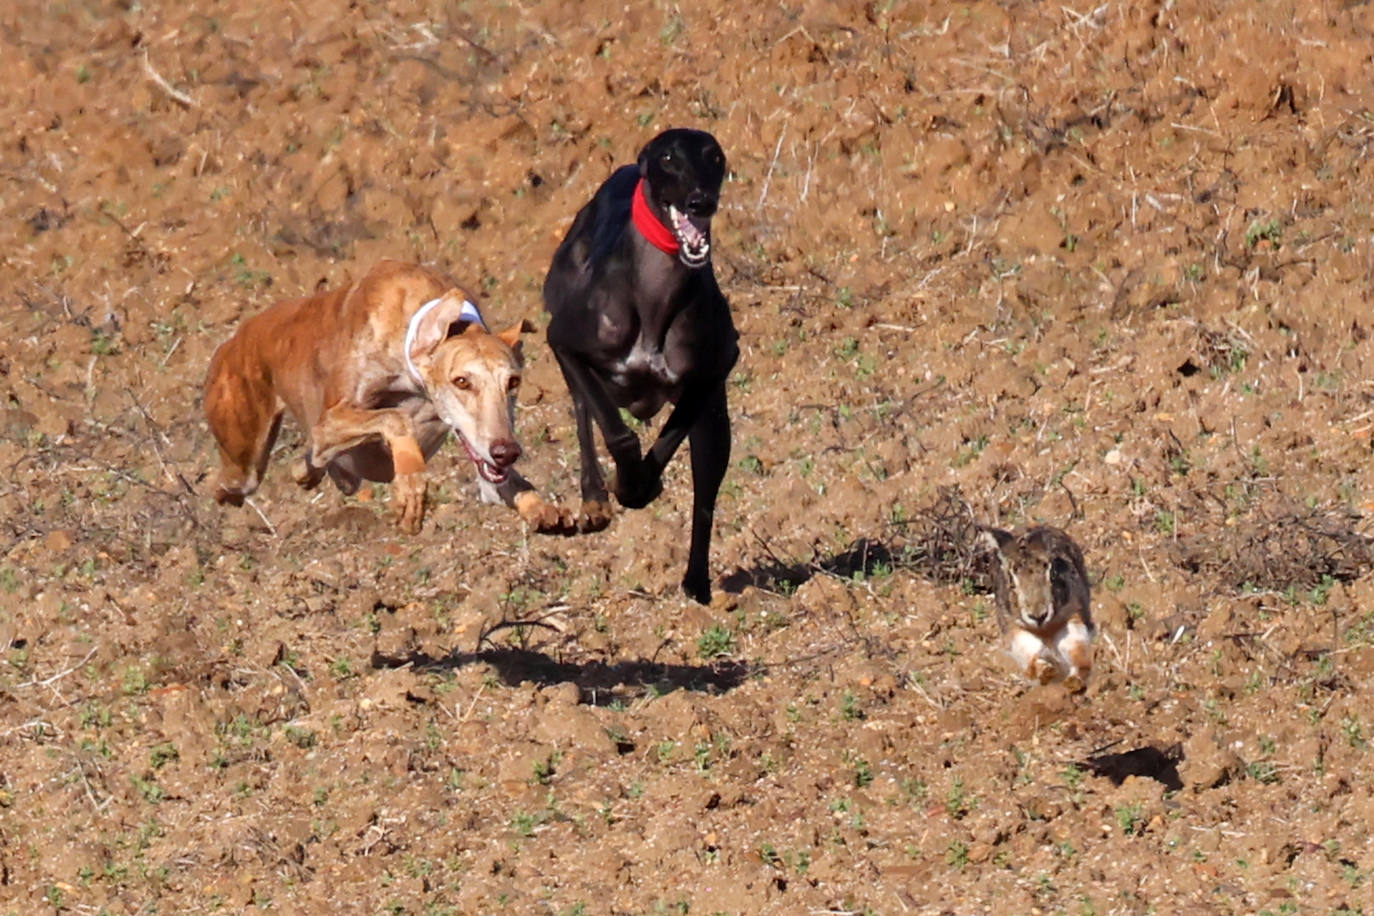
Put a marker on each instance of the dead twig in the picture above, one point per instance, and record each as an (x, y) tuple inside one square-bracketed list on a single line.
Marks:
[(176, 94)]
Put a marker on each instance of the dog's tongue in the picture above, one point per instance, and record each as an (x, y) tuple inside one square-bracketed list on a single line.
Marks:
[(696, 247), (490, 472)]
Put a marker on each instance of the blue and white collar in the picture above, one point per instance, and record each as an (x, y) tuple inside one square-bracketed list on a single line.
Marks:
[(468, 313)]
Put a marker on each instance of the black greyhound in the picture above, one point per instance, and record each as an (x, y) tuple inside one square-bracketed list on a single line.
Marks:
[(638, 321)]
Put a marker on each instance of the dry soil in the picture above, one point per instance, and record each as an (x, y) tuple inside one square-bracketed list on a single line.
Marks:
[(1102, 266)]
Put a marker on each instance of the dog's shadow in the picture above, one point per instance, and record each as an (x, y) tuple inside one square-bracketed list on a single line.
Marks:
[(862, 557), (598, 683), (1159, 764)]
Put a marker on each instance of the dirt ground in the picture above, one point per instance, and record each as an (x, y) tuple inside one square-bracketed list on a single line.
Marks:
[(1102, 266)]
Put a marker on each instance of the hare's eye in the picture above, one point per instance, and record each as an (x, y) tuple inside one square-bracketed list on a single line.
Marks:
[(461, 382), (513, 383)]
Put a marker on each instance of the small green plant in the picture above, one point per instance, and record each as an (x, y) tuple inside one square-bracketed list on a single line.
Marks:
[(751, 464), (135, 681), (103, 344), (1270, 230), (303, 738), (1264, 771), (863, 772), (1130, 818), (148, 788), (245, 276), (956, 854), (715, 641), (161, 754), (672, 30), (957, 803), (1354, 732), (914, 789), (544, 768), (1165, 522), (850, 710)]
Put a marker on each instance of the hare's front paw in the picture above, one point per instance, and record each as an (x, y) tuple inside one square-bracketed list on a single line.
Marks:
[(1042, 670)]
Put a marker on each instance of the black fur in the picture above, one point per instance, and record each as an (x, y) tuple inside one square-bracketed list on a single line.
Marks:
[(635, 328)]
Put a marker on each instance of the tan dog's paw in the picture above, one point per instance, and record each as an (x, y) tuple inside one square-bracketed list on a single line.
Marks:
[(1076, 682), (595, 515), (227, 495), (304, 473), (545, 518), (408, 496)]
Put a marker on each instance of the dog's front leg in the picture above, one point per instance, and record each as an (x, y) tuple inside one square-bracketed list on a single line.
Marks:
[(710, 444), (518, 493), (340, 428)]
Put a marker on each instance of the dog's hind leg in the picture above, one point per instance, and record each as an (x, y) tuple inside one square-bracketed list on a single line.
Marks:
[(710, 445), (595, 513), (245, 420), (591, 402)]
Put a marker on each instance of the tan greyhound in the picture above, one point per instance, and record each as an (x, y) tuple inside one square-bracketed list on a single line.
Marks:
[(376, 374)]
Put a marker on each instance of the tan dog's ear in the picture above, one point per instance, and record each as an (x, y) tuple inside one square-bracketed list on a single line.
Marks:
[(434, 324), (511, 335)]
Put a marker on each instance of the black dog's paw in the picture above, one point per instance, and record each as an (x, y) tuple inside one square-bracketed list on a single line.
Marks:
[(636, 492), (698, 588), (594, 515)]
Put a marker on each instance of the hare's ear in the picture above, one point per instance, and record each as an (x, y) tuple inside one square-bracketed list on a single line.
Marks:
[(1065, 581), (991, 541)]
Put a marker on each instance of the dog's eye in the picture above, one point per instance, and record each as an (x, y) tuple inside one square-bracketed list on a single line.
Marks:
[(461, 382), (666, 159), (513, 383)]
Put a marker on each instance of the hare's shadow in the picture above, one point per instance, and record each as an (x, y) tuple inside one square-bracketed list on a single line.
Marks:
[(863, 556)]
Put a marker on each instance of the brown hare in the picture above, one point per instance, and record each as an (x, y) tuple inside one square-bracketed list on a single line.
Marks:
[(1044, 602)]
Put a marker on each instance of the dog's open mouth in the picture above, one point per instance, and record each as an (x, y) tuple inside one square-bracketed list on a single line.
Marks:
[(696, 244), (490, 472)]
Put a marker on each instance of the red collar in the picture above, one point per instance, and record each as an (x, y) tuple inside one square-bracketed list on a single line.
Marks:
[(649, 225)]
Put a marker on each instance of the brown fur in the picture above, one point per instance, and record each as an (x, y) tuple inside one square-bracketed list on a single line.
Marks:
[(335, 361), (1044, 602)]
